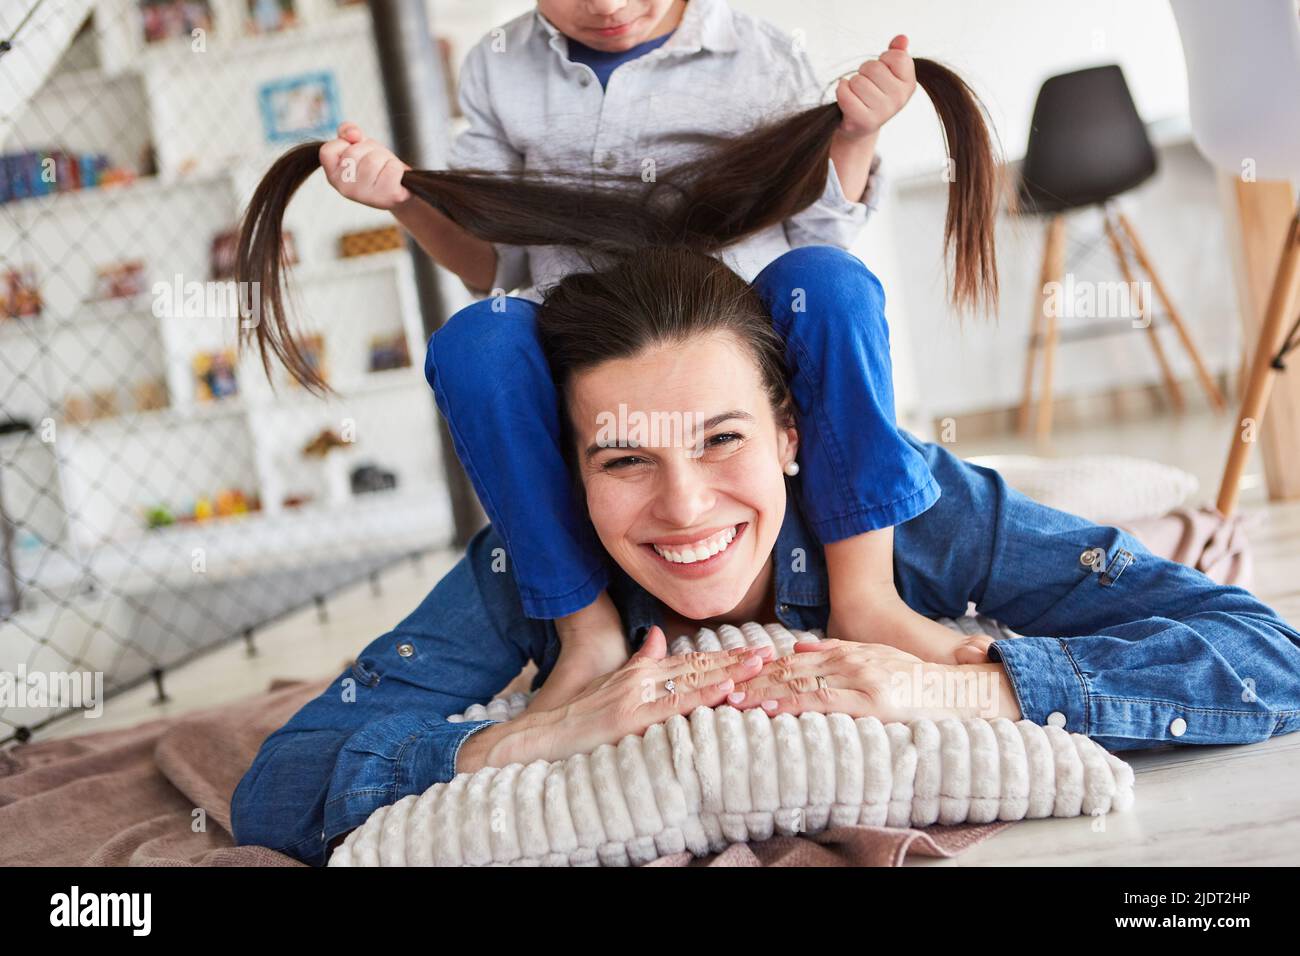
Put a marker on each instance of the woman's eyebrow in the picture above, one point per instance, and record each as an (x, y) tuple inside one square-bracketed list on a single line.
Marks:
[(736, 413), (724, 416)]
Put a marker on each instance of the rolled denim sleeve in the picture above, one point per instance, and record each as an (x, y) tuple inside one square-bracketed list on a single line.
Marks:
[(486, 145), (390, 759), (1215, 677), (1120, 644), (379, 731)]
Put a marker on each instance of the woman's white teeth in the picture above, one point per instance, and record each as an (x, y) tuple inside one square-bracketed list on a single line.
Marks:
[(698, 550)]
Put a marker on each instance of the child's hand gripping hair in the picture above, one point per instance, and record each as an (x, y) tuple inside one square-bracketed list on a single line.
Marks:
[(363, 169)]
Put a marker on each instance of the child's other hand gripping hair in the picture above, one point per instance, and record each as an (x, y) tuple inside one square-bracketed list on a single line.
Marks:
[(869, 99)]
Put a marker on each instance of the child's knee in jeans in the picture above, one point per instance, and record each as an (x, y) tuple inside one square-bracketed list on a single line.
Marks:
[(820, 282), (488, 333)]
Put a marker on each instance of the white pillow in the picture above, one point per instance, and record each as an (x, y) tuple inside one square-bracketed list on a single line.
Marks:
[(1108, 489)]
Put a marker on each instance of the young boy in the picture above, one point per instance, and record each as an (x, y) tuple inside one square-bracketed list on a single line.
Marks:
[(629, 87)]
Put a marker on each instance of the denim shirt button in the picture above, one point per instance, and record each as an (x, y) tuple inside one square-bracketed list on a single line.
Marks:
[(405, 649), (1178, 727), (1056, 719), (1093, 558)]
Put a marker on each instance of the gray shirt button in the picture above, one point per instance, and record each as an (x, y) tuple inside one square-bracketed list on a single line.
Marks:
[(405, 649)]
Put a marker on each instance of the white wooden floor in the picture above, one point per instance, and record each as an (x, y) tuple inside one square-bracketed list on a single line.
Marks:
[(1194, 805)]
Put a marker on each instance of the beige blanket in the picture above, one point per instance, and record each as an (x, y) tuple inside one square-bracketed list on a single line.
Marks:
[(158, 794)]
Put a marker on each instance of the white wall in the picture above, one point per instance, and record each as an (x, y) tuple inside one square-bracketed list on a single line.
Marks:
[(1005, 49)]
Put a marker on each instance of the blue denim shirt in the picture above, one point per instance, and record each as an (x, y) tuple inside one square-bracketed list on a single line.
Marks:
[(1125, 647)]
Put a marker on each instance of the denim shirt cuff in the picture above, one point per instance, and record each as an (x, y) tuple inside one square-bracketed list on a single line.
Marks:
[(1045, 680), (379, 765)]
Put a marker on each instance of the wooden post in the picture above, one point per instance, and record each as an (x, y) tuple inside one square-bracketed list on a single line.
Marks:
[(1038, 326), (1202, 373), (1264, 232)]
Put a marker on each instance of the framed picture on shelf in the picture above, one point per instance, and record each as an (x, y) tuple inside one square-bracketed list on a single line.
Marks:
[(214, 375), (268, 16), (120, 280), (225, 244), (389, 352), (164, 19), (299, 107)]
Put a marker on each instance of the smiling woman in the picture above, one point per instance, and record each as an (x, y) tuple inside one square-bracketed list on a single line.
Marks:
[(1099, 634)]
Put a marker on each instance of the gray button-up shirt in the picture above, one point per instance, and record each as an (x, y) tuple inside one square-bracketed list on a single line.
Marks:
[(719, 74)]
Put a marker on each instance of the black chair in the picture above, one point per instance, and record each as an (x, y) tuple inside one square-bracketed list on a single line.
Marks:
[(1087, 145)]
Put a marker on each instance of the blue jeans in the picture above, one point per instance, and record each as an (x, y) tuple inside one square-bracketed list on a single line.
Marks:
[(493, 385)]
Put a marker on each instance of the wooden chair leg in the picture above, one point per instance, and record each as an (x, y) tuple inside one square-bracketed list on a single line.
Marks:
[(1281, 309), (1037, 327), (1202, 373), (1144, 309), (1053, 271)]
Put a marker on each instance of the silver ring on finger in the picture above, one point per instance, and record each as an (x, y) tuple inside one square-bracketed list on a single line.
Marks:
[(821, 682), (670, 685)]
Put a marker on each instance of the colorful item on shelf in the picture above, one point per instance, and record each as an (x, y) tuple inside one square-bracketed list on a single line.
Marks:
[(226, 503), (158, 517), (164, 19), (369, 478), (322, 444), (40, 172), (150, 395), (389, 352), (268, 16), (120, 280), (103, 403), (214, 375), (299, 107), (76, 410), (80, 409), (20, 296), (313, 352), (365, 242), (231, 501)]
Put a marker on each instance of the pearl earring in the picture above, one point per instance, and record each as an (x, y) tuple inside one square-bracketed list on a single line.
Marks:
[(792, 469)]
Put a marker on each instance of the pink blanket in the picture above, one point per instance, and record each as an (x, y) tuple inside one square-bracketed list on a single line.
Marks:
[(158, 794)]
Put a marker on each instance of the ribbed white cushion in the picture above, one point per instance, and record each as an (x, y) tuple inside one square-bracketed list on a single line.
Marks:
[(725, 776), (1108, 489)]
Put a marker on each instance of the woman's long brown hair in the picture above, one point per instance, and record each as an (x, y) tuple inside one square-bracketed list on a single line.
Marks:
[(743, 186)]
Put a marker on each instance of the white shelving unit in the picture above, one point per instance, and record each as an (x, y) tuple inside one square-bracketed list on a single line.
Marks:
[(200, 112)]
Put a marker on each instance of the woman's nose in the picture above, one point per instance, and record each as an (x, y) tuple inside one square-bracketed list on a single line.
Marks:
[(684, 496), (605, 8)]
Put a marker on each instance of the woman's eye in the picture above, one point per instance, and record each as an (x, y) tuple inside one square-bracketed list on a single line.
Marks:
[(627, 461), (726, 438)]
